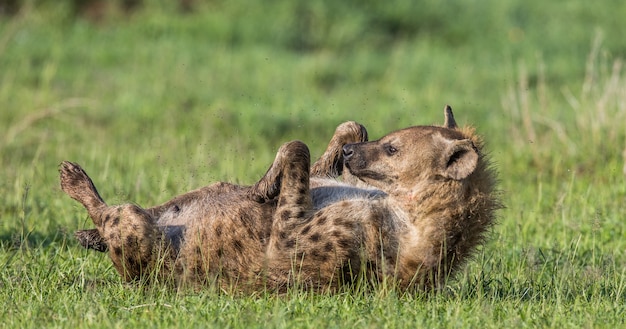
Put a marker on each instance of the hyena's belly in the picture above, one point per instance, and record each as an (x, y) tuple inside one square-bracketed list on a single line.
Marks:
[(324, 196), (226, 233), (201, 206)]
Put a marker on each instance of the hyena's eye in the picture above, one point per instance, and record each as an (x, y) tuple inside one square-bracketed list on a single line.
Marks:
[(390, 149)]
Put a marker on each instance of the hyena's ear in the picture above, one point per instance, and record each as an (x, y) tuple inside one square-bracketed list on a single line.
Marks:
[(449, 121), (459, 159)]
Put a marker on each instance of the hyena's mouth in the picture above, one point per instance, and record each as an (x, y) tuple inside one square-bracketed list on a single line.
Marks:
[(373, 175), (363, 174)]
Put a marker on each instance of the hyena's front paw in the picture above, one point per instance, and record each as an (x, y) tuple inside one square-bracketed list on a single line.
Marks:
[(91, 239), (291, 154), (350, 132), (267, 188), (330, 164)]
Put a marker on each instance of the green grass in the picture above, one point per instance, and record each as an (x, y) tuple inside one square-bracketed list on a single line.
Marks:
[(159, 102)]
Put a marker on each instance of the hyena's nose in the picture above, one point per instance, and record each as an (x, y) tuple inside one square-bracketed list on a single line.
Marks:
[(348, 151)]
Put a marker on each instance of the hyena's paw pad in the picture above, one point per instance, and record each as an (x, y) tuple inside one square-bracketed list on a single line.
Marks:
[(351, 132), (75, 182), (73, 176)]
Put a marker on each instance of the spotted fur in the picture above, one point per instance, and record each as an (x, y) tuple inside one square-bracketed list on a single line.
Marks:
[(410, 208)]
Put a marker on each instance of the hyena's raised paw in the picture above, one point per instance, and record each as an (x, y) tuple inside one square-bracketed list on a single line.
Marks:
[(76, 183), (91, 239), (290, 154), (350, 132), (264, 191), (330, 164)]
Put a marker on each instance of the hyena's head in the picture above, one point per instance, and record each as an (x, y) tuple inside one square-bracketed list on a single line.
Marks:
[(406, 159)]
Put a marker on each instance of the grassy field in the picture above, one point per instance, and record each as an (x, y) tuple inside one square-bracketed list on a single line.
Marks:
[(157, 102)]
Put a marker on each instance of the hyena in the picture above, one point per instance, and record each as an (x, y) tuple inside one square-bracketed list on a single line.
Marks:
[(217, 234), (412, 207)]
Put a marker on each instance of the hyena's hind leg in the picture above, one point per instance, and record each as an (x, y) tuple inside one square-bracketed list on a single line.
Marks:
[(77, 184), (130, 234), (330, 164)]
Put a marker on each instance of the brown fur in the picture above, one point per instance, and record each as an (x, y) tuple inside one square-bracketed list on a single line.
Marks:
[(412, 207), (216, 234)]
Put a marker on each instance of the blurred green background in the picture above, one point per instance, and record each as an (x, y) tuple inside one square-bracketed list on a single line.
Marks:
[(155, 98)]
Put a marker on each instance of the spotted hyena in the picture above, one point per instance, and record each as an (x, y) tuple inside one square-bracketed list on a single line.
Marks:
[(411, 208), (214, 235)]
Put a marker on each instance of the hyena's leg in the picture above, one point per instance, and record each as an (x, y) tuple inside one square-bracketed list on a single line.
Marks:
[(304, 245), (291, 165), (91, 239), (330, 164), (134, 241)]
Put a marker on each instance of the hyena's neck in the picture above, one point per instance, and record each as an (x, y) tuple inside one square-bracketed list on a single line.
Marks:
[(442, 201)]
